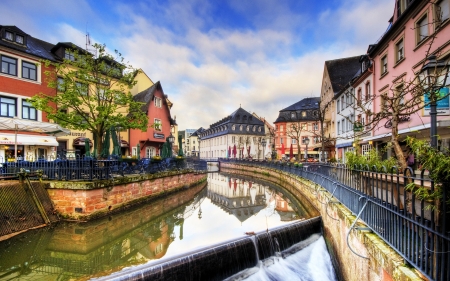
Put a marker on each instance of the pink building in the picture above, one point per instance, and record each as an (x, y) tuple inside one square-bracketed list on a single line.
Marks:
[(417, 27)]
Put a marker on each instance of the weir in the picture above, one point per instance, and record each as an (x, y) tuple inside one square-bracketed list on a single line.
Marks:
[(224, 260)]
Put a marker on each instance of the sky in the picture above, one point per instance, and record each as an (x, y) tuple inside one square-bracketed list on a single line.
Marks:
[(215, 56)]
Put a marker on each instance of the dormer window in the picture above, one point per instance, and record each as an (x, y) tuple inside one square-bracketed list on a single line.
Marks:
[(68, 55), (19, 39), (14, 37), (9, 35)]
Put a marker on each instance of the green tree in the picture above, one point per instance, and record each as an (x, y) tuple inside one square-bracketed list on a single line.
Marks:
[(92, 93)]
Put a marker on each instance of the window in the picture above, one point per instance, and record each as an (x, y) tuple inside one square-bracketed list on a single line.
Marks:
[(338, 105), (293, 141), (384, 64), (303, 113), (367, 91), (60, 84), (9, 65), (422, 28), (442, 10), (304, 126), (29, 70), (281, 140), (281, 128), (9, 35), (7, 107), (339, 127), (157, 125), (292, 115), (384, 102), (304, 140), (359, 96), (19, 39), (158, 102), (82, 88), (315, 127), (150, 152), (68, 55), (343, 105), (399, 50), (28, 111)]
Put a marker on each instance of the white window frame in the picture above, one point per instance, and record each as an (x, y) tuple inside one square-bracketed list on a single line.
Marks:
[(158, 124), (158, 102)]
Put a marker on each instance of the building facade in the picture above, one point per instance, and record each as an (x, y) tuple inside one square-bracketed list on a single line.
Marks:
[(236, 136), (418, 29), (22, 76), (161, 124), (298, 126)]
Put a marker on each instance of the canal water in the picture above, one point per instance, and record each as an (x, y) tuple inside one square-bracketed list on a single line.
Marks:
[(224, 208)]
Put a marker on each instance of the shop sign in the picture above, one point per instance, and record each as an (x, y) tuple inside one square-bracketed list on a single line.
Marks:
[(75, 134), (401, 119), (158, 136)]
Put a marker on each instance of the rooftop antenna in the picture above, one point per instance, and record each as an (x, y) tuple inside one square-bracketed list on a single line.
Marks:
[(88, 43)]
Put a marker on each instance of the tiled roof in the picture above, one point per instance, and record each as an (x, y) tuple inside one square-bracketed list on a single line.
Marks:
[(146, 97), (341, 71), (34, 46), (308, 105)]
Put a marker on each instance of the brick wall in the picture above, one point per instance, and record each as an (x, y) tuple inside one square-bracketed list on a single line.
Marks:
[(85, 201)]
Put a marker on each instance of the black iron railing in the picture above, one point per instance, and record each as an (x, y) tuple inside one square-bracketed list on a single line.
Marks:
[(418, 230), (89, 169)]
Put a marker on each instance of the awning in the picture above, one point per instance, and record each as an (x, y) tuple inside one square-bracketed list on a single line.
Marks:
[(15, 124), (80, 142), (9, 139), (124, 143)]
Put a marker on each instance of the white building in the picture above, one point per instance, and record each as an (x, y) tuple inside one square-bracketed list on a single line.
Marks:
[(238, 135)]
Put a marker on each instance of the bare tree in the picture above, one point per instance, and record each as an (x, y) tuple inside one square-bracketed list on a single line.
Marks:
[(294, 131)]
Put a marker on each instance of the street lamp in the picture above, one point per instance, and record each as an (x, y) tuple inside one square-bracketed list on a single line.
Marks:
[(436, 82), (306, 141), (199, 148), (263, 143), (171, 140)]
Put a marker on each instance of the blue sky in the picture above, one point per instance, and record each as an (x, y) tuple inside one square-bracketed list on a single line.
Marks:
[(214, 56)]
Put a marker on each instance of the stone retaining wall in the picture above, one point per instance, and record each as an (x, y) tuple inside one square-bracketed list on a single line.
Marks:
[(383, 262), (88, 200)]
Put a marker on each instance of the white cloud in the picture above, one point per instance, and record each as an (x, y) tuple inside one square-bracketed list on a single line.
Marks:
[(207, 69)]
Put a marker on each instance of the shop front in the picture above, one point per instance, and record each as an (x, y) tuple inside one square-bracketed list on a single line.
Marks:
[(27, 147)]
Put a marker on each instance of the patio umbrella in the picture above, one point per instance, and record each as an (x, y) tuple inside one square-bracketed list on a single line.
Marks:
[(248, 151), (94, 153), (87, 148), (235, 184), (115, 141), (234, 151), (229, 152), (138, 148), (229, 183), (283, 150), (291, 152), (105, 149)]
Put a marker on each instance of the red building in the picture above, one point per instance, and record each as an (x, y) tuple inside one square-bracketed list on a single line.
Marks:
[(157, 107), (22, 76)]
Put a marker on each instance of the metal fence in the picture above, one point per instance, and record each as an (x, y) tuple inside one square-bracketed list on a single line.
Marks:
[(418, 230), (89, 169)]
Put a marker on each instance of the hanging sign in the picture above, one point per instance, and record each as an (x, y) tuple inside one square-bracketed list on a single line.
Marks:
[(442, 105)]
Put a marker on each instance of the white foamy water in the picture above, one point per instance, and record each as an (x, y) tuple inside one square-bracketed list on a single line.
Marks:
[(313, 263)]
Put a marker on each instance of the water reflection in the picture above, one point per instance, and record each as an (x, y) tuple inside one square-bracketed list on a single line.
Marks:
[(229, 207)]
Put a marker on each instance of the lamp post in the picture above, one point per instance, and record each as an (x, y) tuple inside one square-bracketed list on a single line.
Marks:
[(171, 140), (263, 143), (435, 81), (199, 148), (119, 141), (306, 150)]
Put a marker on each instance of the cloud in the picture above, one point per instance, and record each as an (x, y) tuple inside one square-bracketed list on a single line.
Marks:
[(213, 57)]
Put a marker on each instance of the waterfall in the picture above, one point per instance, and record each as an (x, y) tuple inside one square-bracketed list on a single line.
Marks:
[(227, 259), (312, 263)]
